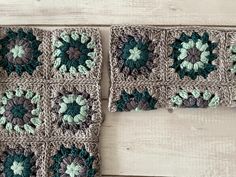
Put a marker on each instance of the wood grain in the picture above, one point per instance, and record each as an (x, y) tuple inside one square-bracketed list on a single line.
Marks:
[(185, 143), (106, 12)]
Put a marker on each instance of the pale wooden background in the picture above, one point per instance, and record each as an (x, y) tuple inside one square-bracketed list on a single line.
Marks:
[(185, 143)]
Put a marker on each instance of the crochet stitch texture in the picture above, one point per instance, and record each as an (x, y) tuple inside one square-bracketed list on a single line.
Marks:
[(50, 109), (154, 67)]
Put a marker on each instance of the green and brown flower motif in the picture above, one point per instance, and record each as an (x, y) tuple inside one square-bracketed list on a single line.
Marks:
[(74, 110), (19, 111), (18, 162), (19, 52), (73, 162), (195, 99), (136, 101), (233, 58), (193, 55), (74, 53), (135, 56)]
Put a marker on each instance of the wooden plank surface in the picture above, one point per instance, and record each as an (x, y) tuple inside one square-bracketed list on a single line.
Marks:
[(185, 143), (106, 12)]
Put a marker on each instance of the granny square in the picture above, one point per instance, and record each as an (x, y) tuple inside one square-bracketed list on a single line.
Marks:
[(22, 159), (195, 55), (50, 108), (24, 53), (73, 159), (77, 54)]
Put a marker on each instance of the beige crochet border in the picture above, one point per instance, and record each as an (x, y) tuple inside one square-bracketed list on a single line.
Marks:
[(163, 81), (47, 82)]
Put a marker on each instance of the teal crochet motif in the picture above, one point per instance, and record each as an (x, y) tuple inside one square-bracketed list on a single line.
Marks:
[(19, 111), (74, 53), (135, 58), (19, 52), (73, 162), (18, 163), (136, 101), (193, 55)]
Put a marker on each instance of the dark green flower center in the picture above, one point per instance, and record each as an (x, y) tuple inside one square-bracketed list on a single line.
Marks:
[(18, 111), (73, 109), (193, 55)]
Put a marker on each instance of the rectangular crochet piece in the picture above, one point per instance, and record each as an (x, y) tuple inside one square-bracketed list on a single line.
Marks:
[(186, 67), (50, 109)]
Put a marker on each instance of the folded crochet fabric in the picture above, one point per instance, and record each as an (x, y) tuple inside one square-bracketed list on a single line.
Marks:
[(50, 109), (187, 67)]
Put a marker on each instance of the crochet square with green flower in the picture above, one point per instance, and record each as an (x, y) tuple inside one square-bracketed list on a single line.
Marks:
[(50, 108), (76, 54), (195, 55), (23, 53)]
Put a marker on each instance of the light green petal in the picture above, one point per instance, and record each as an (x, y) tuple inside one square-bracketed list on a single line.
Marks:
[(233, 48), (29, 94), (82, 70), (56, 53), (29, 129), (177, 100), (204, 59), (200, 64), (92, 55), (78, 99), (4, 100), (183, 54), (188, 45), (68, 118), (195, 67), (83, 112), (207, 95), (233, 58), (57, 62), (183, 94), (18, 129), (189, 66), (9, 127), (57, 44), (63, 108), (2, 120), (215, 101), (205, 54), (73, 70), (204, 47), (2, 110), (196, 93), (35, 112), (36, 99), (79, 118), (36, 121), (233, 69), (91, 45), (64, 35), (82, 102), (74, 35), (199, 44), (184, 64), (68, 99), (84, 38), (63, 69), (9, 94), (90, 63), (19, 92)]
